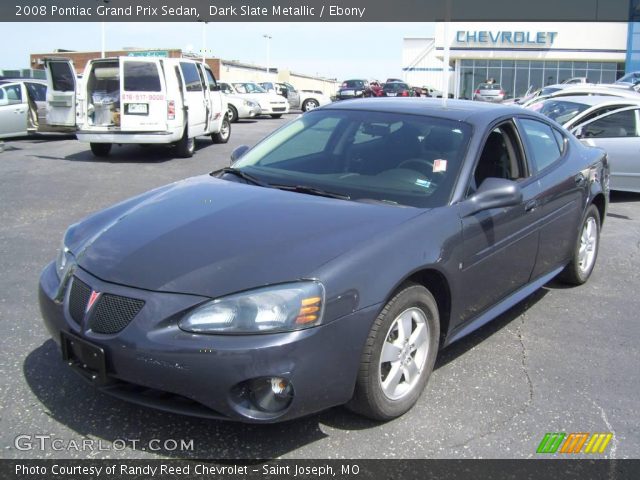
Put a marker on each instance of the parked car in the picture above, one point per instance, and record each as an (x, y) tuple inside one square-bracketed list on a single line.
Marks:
[(396, 89), (299, 99), (572, 110), (352, 89), (268, 303), (575, 80), (23, 108), (239, 107), (630, 79), (374, 90), (141, 100), (611, 90), (489, 92), (271, 104)]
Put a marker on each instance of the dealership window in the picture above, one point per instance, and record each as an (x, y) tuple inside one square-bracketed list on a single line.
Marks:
[(518, 76)]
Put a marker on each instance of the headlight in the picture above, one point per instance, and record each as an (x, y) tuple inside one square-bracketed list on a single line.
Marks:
[(284, 307), (64, 262), (249, 103)]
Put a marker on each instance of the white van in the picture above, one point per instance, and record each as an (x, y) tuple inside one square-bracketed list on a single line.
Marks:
[(144, 100)]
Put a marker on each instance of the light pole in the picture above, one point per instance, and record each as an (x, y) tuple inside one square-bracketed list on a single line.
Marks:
[(204, 39), (268, 38), (102, 28)]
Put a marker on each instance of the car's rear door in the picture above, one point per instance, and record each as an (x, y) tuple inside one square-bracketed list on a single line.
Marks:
[(217, 104), (562, 191), (143, 99), (500, 244), (618, 133), (61, 92), (13, 110)]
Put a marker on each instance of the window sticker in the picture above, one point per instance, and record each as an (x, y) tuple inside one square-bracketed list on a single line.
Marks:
[(439, 165)]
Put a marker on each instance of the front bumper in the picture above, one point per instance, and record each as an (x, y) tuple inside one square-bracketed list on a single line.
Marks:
[(152, 354)]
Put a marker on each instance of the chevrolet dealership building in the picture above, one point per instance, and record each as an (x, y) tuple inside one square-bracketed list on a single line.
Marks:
[(519, 56)]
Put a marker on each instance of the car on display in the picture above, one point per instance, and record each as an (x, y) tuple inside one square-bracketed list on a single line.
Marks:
[(352, 89), (23, 108), (604, 89), (575, 80), (329, 264), (239, 107), (299, 99), (270, 104), (140, 100), (489, 92), (396, 89)]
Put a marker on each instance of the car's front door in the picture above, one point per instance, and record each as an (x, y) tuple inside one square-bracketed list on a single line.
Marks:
[(293, 96), (500, 244), (61, 92), (217, 105), (618, 133), (13, 110)]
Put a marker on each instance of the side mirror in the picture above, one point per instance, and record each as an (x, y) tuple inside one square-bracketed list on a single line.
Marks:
[(493, 193), (238, 152), (578, 132), (214, 88)]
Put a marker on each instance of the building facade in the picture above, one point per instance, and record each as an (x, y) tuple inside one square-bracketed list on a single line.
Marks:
[(518, 56)]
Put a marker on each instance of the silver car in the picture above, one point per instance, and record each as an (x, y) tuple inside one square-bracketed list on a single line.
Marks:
[(489, 92), (618, 133), (23, 108), (237, 106)]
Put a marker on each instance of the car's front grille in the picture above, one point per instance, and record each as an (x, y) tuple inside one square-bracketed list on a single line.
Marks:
[(279, 109), (113, 313), (78, 299)]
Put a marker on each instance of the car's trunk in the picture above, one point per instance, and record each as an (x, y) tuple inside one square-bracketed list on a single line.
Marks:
[(103, 95)]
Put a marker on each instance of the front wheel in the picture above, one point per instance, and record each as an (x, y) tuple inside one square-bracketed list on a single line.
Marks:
[(585, 251), (232, 113), (277, 115), (398, 356), (100, 149), (225, 132), (310, 104)]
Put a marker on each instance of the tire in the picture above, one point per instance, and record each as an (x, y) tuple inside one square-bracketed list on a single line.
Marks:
[(310, 104), (585, 251), (376, 394), (225, 132), (100, 149), (185, 146), (276, 115), (232, 113)]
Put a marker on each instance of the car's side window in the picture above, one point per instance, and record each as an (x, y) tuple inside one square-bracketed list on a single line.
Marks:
[(501, 157), (191, 77), (543, 145), (615, 125), (225, 88), (37, 91), (10, 95), (211, 79)]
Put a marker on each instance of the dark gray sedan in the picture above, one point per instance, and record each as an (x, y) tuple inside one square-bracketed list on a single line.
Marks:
[(330, 263)]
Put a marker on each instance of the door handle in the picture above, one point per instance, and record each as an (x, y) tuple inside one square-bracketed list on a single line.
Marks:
[(579, 179), (531, 205)]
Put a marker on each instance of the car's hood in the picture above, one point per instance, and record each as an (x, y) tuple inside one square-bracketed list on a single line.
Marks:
[(212, 237)]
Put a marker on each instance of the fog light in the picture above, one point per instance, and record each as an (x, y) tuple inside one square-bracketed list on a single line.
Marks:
[(270, 395)]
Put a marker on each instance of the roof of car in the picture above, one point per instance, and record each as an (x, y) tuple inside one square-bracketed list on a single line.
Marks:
[(593, 100), (464, 110)]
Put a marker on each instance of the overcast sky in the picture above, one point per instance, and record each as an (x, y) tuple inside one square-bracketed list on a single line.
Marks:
[(341, 50)]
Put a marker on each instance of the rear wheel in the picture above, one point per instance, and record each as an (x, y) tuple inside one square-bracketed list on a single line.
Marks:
[(100, 149), (276, 115), (585, 250), (310, 104), (232, 113), (225, 132), (185, 146), (399, 355)]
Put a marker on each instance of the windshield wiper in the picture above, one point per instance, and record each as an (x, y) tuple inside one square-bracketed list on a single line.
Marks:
[(240, 174), (311, 191)]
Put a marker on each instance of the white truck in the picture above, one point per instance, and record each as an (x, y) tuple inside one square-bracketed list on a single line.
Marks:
[(143, 100)]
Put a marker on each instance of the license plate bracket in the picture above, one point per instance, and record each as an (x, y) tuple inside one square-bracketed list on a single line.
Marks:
[(84, 357)]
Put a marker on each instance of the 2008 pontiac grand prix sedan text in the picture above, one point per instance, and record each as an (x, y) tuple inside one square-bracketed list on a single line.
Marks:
[(330, 263)]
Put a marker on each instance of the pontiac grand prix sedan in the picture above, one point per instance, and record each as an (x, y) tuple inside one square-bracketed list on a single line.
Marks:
[(330, 263)]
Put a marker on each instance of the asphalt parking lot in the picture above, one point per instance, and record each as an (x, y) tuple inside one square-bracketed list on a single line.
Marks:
[(564, 360)]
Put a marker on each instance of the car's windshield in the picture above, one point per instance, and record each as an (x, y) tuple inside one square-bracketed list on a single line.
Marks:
[(249, 88), (394, 158), (353, 84), (559, 110)]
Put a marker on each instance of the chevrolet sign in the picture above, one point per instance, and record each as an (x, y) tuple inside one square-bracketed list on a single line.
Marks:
[(504, 37)]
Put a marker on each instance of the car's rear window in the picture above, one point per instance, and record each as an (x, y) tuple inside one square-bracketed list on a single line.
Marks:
[(559, 110), (62, 77), (489, 86), (141, 77), (394, 158)]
